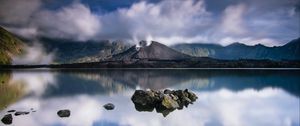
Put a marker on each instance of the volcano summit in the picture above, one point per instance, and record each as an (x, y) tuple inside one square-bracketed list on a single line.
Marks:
[(153, 51)]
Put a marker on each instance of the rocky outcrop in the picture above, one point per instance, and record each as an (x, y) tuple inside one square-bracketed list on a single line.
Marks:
[(163, 101)]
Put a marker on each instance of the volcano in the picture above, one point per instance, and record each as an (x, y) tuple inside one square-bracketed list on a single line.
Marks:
[(153, 51)]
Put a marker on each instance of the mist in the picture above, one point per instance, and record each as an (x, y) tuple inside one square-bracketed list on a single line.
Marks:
[(33, 55)]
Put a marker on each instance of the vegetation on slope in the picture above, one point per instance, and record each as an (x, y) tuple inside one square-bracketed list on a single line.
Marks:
[(9, 45)]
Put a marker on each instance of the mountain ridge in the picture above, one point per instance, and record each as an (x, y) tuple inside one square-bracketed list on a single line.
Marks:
[(289, 51)]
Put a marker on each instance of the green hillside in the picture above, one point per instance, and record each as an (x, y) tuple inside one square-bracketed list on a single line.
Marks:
[(9, 45)]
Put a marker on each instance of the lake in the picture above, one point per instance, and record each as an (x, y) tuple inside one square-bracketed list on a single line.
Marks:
[(225, 97)]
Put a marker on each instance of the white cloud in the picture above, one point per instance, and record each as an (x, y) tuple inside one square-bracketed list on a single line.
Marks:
[(28, 32), (34, 54), (75, 21), (167, 19), (233, 21), (169, 22)]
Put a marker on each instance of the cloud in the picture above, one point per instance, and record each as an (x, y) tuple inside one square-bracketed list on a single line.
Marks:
[(27, 32), (190, 21), (34, 55), (162, 20), (18, 12), (233, 21), (72, 22)]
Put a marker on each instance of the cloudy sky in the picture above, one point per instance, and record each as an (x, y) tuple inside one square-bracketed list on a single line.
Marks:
[(270, 22)]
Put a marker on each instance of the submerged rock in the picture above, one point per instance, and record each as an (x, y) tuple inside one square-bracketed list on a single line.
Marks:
[(163, 101), (109, 106), (7, 119), (21, 113), (64, 113)]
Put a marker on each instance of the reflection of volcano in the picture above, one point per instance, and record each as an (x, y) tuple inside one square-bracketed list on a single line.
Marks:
[(109, 81)]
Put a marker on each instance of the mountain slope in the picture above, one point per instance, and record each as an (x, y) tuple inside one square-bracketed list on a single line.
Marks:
[(68, 51), (9, 45), (155, 51), (290, 51)]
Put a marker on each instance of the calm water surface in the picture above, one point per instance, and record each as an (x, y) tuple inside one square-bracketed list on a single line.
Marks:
[(226, 97)]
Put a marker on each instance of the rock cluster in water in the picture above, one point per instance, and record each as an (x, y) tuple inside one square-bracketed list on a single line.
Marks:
[(8, 118), (163, 101)]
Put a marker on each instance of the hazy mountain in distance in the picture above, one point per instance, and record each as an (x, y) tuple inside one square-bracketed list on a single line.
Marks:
[(289, 51), (9, 45), (68, 51)]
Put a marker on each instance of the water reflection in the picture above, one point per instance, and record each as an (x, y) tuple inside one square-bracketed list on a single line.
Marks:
[(226, 98)]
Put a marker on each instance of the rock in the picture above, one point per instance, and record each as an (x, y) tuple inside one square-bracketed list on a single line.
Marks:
[(169, 103), (164, 111), (109, 106), (164, 102), (11, 110), (21, 113), (64, 113), (144, 99), (7, 119), (167, 91), (192, 96)]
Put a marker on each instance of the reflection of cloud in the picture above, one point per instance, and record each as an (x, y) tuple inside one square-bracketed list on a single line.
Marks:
[(35, 82), (247, 108), (84, 111)]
